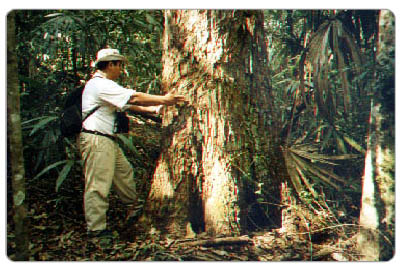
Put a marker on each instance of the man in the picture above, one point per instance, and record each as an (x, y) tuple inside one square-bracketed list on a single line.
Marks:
[(104, 162)]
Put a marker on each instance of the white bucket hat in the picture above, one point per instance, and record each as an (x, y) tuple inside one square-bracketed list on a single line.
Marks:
[(109, 54)]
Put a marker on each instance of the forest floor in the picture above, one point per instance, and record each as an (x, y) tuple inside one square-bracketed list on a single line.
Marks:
[(58, 233)]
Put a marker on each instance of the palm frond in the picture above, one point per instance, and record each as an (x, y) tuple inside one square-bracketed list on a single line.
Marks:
[(318, 157), (293, 175), (305, 180), (305, 164), (314, 170), (331, 47), (354, 144)]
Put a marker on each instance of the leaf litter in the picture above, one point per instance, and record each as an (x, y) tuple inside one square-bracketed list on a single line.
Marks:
[(58, 233)]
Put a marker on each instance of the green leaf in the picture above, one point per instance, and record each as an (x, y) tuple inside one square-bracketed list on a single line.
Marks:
[(354, 144), (341, 144), (31, 120), (150, 19), (63, 174), (42, 124), (48, 168), (260, 200)]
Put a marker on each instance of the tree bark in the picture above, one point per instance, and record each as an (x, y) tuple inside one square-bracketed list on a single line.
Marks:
[(216, 148), (376, 240), (16, 146)]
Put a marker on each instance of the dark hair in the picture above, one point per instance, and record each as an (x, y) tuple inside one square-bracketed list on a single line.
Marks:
[(103, 64)]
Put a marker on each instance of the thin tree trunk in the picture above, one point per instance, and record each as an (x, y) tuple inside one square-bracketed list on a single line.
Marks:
[(16, 147), (376, 240), (216, 148), (369, 236)]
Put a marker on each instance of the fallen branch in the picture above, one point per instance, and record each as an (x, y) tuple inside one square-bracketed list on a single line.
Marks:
[(223, 241)]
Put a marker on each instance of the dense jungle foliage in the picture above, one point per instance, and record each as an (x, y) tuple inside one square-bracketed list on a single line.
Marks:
[(322, 66)]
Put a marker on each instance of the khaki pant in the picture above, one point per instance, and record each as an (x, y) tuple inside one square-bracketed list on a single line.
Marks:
[(104, 165)]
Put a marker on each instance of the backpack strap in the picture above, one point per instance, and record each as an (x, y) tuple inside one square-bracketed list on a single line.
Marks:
[(96, 108), (90, 113)]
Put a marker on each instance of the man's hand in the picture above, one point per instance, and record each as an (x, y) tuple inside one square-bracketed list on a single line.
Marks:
[(171, 99)]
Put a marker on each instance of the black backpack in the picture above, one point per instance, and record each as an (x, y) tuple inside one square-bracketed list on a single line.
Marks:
[(71, 118)]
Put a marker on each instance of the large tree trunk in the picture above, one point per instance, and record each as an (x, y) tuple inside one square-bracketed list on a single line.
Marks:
[(16, 147), (217, 147), (377, 217)]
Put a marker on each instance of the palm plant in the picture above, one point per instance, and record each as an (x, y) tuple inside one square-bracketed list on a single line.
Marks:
[(323, 120)]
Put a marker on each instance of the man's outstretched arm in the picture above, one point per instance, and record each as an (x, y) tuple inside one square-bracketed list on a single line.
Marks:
[(145, 109), (144, 99)]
